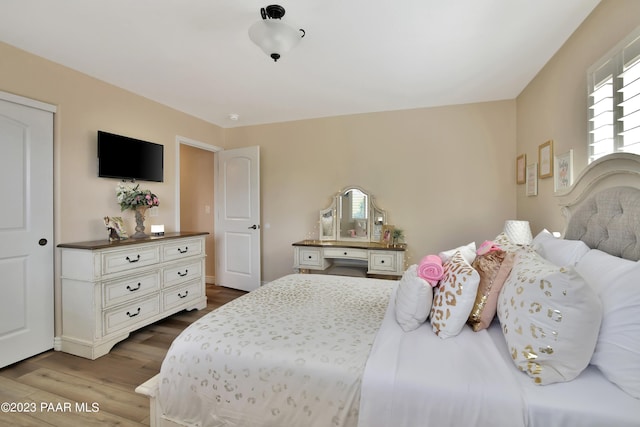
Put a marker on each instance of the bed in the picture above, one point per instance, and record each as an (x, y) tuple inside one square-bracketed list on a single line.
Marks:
[(322, 350)]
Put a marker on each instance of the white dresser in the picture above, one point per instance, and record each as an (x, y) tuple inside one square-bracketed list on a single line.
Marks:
[(112, 288), (376, 258)]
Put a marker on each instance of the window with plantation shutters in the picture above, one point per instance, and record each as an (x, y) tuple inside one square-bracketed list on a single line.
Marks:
[(614, 100)]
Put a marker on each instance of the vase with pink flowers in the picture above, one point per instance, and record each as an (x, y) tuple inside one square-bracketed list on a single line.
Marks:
[(138, 200)]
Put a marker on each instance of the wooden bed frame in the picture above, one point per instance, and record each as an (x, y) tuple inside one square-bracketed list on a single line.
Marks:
[(616, 170)]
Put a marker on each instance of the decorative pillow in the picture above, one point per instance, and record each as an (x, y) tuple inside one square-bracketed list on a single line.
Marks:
[(493, 268), (413, 300), (617, 353), (454, 297), (559, 251), (550, 318), (468, 251)]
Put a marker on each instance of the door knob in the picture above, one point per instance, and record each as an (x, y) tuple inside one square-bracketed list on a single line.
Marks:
[(42, 242), (254, 227)]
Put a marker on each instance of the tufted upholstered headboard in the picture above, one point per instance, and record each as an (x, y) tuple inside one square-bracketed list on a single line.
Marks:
[(602, 208)]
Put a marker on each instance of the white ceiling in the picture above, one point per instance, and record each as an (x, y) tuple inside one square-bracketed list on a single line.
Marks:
[(358, 55)]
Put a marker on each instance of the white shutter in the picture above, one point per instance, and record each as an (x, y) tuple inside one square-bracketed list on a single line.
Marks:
[(614, 100)]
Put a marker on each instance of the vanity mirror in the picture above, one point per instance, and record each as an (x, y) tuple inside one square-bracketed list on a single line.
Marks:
[(352, 216), (349, 240)]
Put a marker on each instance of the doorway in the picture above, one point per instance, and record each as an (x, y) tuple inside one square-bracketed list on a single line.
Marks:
[(195, 195)]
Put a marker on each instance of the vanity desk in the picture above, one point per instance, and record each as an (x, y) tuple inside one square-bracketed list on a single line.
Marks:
[(354, 234), (376, 258)]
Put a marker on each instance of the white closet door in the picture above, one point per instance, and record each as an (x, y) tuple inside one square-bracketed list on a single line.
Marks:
[(238, 219), (26, 230)]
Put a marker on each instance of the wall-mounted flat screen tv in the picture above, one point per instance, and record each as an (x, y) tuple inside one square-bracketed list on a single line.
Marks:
[(128, 158)]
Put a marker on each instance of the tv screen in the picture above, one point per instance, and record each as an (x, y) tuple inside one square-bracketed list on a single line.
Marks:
[(128, 158)]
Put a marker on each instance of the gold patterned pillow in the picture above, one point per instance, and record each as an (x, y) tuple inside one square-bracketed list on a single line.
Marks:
[(454, 296), (494, 268), (550, 318)]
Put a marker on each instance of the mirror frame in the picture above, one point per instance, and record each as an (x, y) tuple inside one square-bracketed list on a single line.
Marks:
[(376, 219)]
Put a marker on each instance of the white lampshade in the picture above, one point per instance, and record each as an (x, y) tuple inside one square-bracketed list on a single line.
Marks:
[(274, 37), (519, 232)]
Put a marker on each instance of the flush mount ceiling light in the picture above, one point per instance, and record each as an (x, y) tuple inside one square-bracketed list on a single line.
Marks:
[(272, 35)]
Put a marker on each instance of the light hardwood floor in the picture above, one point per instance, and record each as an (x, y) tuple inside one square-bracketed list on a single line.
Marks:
[(59, 389)]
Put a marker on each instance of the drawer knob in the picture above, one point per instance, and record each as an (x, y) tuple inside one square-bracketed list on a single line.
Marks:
[(309, 257), (345, 253), (185, 294), (183, 274), (134, 314), (381, 261), (133, 260), (133, 289), (186, 248)]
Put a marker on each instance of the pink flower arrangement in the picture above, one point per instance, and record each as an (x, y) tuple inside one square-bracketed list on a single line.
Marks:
[(132, 198)]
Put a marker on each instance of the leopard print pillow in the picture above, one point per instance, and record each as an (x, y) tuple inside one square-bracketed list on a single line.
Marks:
[(454, 297)]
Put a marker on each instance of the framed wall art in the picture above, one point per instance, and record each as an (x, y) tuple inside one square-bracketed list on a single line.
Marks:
[(545, 160), (563, 165), (521, 168), (532, 179)]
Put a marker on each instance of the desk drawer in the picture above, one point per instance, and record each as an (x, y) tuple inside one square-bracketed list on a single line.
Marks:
[(130, 259), (181, 273), (128, 316), (310, 257), (348, 253), (382, 261), (119, 291)]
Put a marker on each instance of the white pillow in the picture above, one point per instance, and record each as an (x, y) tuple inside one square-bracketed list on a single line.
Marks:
[(468, 251), (550, 318), (413, 299), (559, 251), (617, 353), (454, 296)]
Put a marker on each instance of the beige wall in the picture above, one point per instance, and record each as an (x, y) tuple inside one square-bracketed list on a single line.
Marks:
[(554, 105), (196, 198), (443, 174), (86, 105)]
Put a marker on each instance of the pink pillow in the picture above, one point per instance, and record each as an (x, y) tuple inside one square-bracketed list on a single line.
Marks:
[(494, 268)]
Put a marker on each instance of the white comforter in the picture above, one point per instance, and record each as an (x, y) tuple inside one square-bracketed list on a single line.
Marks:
[(291, 353), (419, 379)]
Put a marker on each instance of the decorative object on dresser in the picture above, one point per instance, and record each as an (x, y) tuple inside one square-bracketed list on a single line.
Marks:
[(138, 200), (112, 288), (115, 227), (352, 235)]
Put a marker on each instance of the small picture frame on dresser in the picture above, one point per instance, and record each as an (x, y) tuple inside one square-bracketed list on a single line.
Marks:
[(386, 235), (115, 228)]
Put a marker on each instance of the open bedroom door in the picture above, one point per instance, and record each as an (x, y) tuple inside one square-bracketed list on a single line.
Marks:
[(237, 229)]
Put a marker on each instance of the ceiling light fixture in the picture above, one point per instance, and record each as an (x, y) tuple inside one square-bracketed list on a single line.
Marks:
[(272, 35)]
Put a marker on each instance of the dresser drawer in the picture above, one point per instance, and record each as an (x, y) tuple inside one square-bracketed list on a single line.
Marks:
[(182, 249), (119, 291), (129, 315), (348, 253), (129, 259), (382, 261), (182, 294), (181, 273)]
